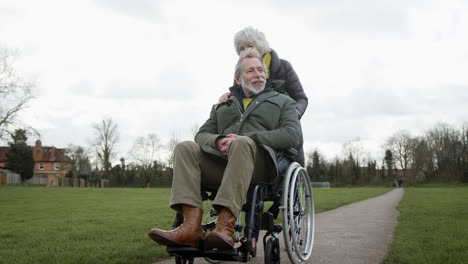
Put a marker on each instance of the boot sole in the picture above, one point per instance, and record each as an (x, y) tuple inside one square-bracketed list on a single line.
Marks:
[(214, 240), (168, 242)]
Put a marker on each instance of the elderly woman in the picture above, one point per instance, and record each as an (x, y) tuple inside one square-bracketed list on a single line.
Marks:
[(278, 69)]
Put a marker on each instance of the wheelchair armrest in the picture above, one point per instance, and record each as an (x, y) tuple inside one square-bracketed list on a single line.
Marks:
[(284, 159), (291, 152)]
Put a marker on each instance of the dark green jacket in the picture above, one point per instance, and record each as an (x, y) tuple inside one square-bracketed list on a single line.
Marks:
[(270, 120)]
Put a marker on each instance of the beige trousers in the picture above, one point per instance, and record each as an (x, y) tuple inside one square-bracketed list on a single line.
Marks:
[(247, 164)]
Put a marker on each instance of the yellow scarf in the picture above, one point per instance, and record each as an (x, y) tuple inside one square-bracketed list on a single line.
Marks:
[(267, 61), (246, 102)]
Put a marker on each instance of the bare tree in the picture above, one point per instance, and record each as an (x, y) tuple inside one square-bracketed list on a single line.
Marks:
[(145, 150), (15, 94), (106, 136), (354, 152), (401, 145), (173, 141), (421, 161), (355, 149), (445, 143), (77, 156), (194, 129)]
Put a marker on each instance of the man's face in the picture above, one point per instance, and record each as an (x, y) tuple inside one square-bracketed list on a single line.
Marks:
[(253, 76)]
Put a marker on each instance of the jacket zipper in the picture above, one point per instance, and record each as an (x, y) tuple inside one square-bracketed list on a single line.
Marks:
[(239, 109)]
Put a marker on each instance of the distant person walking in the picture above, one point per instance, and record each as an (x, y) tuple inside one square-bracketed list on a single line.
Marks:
[(400, 181)]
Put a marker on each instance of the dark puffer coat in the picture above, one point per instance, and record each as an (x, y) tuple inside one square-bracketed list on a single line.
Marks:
[(282, 70)]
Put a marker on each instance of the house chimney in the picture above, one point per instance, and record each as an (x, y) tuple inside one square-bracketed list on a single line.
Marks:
[(52, 154), (38, 144)]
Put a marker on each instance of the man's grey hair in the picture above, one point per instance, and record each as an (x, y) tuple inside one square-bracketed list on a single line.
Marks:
[(240, 67), (250, 34)]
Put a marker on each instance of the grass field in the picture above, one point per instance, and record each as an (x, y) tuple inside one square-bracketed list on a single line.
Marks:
[(88, 225), (327, 199), (433, 226)]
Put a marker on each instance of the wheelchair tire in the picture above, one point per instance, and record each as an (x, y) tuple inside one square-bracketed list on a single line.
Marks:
[(272, 251), (181, 260), (298, 214), (212, 261)]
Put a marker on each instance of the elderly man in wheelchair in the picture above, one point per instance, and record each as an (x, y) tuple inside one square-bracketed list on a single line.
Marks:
[(236, 148)]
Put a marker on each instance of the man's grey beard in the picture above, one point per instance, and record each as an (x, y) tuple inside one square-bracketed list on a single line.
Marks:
[(249, 88)]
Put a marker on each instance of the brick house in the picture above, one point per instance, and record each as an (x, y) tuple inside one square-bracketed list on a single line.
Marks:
[(50, 165), (3, 152)]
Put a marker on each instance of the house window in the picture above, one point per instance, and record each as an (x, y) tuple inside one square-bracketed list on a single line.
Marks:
[(41, 165), (57, 165)]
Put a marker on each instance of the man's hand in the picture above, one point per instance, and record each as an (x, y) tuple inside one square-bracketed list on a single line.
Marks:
[(224, 97), (224, 143)]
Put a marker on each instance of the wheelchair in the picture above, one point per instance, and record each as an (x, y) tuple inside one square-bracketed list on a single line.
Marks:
[(290, 195)]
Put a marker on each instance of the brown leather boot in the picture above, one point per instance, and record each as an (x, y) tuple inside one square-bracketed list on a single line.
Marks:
[(186, 234), (221, 238)]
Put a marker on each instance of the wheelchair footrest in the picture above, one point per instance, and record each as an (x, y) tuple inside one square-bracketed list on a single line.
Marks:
[(186, 252), (234, 254), (225, 255)]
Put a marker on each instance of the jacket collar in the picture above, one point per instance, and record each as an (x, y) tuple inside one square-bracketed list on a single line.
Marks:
[(237, 91), (274, 64)]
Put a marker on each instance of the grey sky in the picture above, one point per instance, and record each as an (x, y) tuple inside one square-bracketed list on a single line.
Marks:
[(369, 68)]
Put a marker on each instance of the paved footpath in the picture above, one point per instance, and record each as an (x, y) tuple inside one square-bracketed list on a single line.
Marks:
[(357, 233)]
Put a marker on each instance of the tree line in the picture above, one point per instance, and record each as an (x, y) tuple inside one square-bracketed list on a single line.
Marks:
[(145, 169), (440, 155)]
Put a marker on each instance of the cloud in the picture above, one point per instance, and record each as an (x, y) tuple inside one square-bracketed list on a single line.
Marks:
[(363, 17), (83, 87), (368, 67), (136, 9), (172, 83), (350, 17)]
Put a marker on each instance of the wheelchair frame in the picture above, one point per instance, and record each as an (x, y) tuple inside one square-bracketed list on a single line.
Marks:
[(291, 194)]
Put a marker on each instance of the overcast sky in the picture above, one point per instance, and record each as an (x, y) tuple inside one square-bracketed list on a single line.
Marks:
[(369, 67)]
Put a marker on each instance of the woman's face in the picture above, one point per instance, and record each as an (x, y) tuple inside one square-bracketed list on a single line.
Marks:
[(246, 46)]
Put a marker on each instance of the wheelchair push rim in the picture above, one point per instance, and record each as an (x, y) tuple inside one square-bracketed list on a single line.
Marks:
[(298, 214)]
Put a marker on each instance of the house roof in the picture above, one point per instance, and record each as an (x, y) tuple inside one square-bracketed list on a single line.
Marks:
[(7, 171), (47, 154)]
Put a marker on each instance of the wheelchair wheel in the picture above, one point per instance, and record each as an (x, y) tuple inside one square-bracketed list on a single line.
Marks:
[(298, 214), (181, 260), (272, 251)]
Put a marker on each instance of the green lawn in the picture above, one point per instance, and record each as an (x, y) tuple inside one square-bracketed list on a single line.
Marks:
[(433, 226), (327, 199), (89, 225)]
